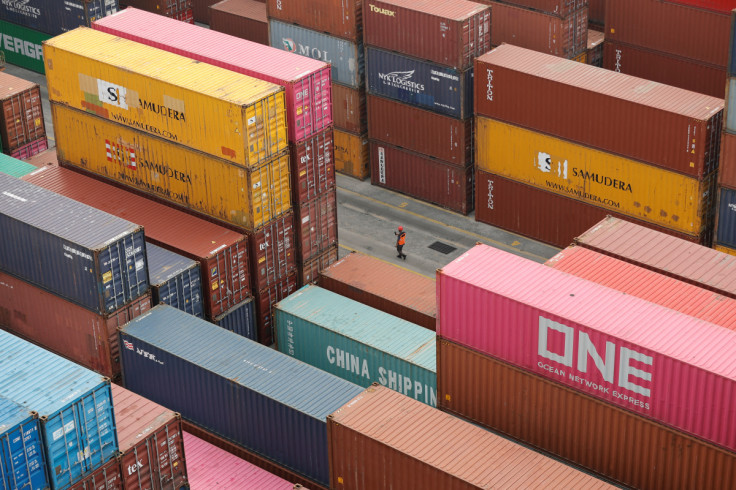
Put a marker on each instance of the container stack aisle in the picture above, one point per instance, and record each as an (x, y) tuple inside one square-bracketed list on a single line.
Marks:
[(22, 128), (176, 9), (245, 19)]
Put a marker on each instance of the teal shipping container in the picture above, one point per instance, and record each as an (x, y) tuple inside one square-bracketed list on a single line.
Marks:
[(14, 167), (357, 343)]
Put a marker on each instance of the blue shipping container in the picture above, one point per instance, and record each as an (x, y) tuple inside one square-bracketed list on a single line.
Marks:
[(22, 465), (74, 407), (243, 391), (55, 16), (87, 256), (175, 280), (726, 226), (240, 319), (419, 83)]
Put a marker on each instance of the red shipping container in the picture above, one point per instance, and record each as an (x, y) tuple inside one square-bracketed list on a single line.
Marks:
[(21, 112), (716, 5), (312, 166), (594, 56), (273, 251), (169, 8), (245, 19), (450, 33), (186, 15), (66, 328), (727, 169), (265, 299), (419, 176), (596, 14), (30, 149), (201, 10), (316, 225), (702, 266), (309, 271), (222, 253), (678, 30), (348, 108), (564, 37), (106, 477), (340, 19), (557, 7), (643, 120), (150, 441), (407, 126)]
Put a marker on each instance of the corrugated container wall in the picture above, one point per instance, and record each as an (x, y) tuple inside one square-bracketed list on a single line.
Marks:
[(273, 251), (560, 8), (32, 148), (309, 270), (348, 108), (145, 89), (167, 361), (245, 19), (726, 219), (597, 14), (403, 443), (307, 84), (74, 406), (176, 9), (615, 443), (241, 319), (727, 171), (14, 167), (23, 46), (386, 287), (312, 166), (200, 10), (358, 343), (316, 225), (557, 99), (107, 477), (352, 154), (175, 280), (21, 112), (264, 301), (191, 179), (22, 463), (560, 315), (54, 17), (343, 20), (49, 241), (222, 254)]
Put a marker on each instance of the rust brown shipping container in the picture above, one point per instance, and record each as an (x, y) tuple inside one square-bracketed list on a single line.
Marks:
[(310, 270), (312, 166), (557, 7), (342, 19), (349, 108), (450, 33), (597, 14), (66, 328), (663, 68), (665, 126), (201, 10), (316, 225), (383, 439), (245, 19), (407, 126), (727, 169), (266, 298), (46, 157), (107, 477), (168, 8), (422, 177), (383, 286), (541, 215), (564, 37), (595, 48), (150, 441), (351, 154), (679, 30), (611, 442), (273, 251), (22, 113)]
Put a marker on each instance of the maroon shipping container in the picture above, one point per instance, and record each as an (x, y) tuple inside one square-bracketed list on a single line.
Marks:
[(201, 10), (150, 441), (106, 477), (316, 225), (564, 37), (22, 113), (594, 56), (597, 14), (66, 328), (727, 169), (222, 253), (273, 251), (607, 440), (312, 166), (340, 19), (678, 30), (651, 249), (423, 177), (664, 68), (397, 291), (541, 215), (265, 299), (169, 8), (309, 271), (348, 108), (558, 7), (407, 126), (30, 149), (245, 19), (450, 33), (643, 120)]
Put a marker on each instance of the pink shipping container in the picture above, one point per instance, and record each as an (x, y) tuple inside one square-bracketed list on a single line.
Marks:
[(312, 166), (307, 82), (210, 467), (644, 120), (642, 357), (450, 33), (316, 224), (30, 149)]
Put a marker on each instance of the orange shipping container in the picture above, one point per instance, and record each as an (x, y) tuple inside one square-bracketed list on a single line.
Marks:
[(351, 154), (724, 249)]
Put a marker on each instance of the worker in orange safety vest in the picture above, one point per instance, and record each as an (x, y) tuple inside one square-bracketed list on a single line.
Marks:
[(400, 240)]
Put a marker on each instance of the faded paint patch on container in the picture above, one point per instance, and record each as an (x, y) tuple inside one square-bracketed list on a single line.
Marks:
[(344, 20), (726, 217), (21, 112), (22, 46), (273, 251), (312, 166), (264, 301), (241, 319), (349, 109), (22, 463), (245, 19), (316, 225), (175, 280), (352, 154)]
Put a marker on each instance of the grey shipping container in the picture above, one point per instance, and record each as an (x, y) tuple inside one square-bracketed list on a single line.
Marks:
[(90, 257), (175, 280), (345, 57), (726, 224), (421, 83), (55, 16), (259, 398), (240, 319)]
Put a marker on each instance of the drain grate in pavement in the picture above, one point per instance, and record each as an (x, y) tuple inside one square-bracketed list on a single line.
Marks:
[(442, 247)]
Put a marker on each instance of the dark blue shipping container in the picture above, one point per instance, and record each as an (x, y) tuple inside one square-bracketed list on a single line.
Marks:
[(419, 83), (726, 225), (175, 280), (87, 256), (240, 319), (22, 464), (55, 16), (256, 397)]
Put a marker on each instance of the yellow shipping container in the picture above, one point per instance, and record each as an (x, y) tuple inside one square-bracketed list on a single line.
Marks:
[(220, 112), (247, 198), (351, 154), (605, 180), (724, 249)]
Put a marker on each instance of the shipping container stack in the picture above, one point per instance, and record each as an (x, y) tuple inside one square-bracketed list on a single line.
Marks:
[(176, 9), (419, 78), (535, 108), (683, 43), (245, 19), (22, 128), (331, 31)]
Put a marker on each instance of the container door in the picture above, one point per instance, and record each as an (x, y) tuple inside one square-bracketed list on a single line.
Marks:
[(96, 424), (136, 266), (64, 449), (22, 463), (111, 275)]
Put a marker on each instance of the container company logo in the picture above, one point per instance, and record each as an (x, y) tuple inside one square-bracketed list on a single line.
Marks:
[(555, 166), (379, 10), (120, 154), (295, 47), (401, 80), (21, 7), (128, 345)]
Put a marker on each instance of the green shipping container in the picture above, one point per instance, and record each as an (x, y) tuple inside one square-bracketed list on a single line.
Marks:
[(14, 167), (22, 46), (357, 343)]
